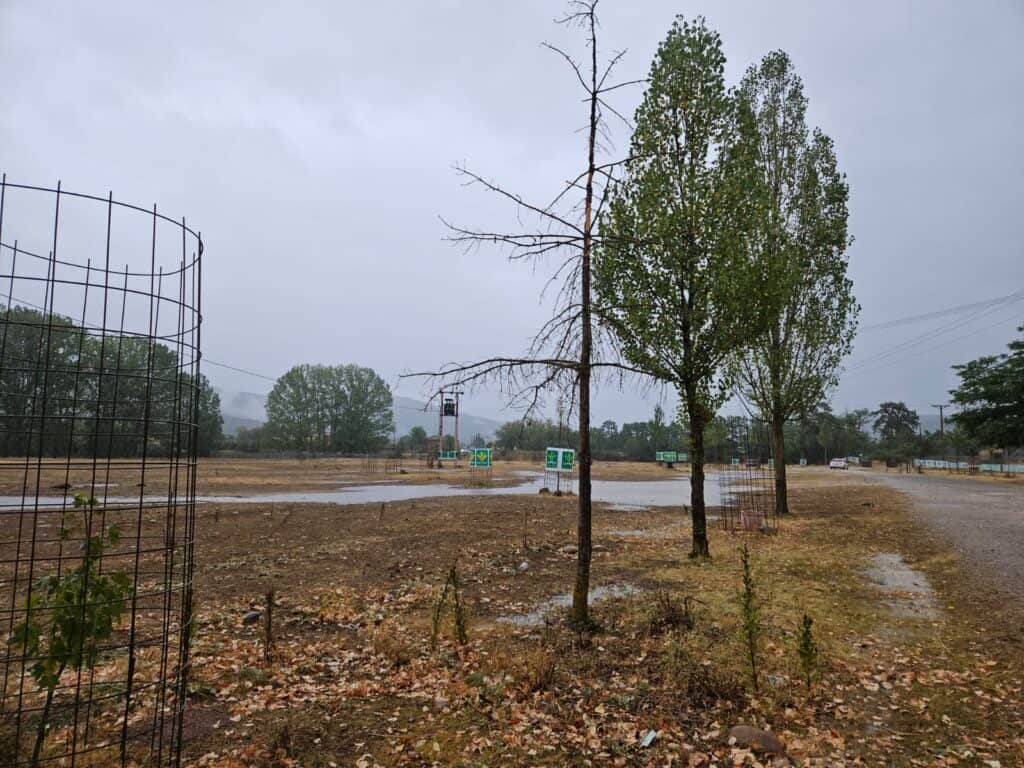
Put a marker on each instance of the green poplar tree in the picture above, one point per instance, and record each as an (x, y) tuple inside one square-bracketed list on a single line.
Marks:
[(672, 272), (806, 300)]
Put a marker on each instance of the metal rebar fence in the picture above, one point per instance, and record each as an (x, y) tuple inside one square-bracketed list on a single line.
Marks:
[(100, 401), (742, 450)]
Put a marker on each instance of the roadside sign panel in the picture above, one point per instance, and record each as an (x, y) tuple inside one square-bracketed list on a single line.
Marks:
[(559, 459), (659, 456), (669, 457), (480, 457), (551, 458), (568, 460)]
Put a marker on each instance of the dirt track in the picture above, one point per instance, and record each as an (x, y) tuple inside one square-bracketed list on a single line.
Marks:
[(983, 520)]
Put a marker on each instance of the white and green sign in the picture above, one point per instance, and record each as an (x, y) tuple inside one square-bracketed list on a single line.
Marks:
[(659, 455), (669, 457), (480, 457), (449, 455), (559, 459), (568, 459)]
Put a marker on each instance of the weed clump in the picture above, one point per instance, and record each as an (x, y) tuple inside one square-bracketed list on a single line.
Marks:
[(751, 616), (667, 613), (539, 669), (391, 648), (807, 651), (451, 594), (702, 683)]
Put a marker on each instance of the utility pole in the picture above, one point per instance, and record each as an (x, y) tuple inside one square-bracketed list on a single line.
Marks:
[(942, 418)]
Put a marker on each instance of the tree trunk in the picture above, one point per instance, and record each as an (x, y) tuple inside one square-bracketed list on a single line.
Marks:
[(697, 513), (581, 589), (779, 454)]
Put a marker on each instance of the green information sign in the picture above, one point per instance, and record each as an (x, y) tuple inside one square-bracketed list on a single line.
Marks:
[(449, 455), (568, 460), (480, 457), (559, 459), (551, 458), (669, 457), (659, 456)]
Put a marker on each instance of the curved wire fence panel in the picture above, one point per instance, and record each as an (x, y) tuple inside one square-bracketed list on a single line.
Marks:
[(99, 410), (742, 449)]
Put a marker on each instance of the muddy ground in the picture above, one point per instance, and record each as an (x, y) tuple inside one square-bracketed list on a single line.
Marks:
[(915, 666), (907, 676)]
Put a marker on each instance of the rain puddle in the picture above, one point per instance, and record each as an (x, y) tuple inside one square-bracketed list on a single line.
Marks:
[(535, 618), (636, 495), (907, 591)]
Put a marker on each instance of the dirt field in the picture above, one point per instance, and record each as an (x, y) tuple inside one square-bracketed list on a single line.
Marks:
[(916, 666), (906, 679)]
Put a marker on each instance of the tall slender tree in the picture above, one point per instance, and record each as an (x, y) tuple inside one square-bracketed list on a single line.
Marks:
[(808, 310), (567, 352), (672, 273)]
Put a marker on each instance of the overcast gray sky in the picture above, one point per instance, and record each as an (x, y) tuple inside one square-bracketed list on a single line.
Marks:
[(312, 143)]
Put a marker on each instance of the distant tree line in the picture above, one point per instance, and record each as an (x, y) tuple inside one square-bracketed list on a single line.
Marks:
[(64, 389), (991, 398), (324, 409)]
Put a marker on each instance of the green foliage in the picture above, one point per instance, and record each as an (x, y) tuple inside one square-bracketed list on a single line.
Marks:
[(211, 423), (895, 421), (751, 620), (807, 651), (451, 595), (991, 397), (129, 380), (322, 408), (672, 273), (69, 616), (797, 248), (636, 441)]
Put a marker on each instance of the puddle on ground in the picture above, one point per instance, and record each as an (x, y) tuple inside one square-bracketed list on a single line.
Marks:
[(636, 494), (535, 618), (907, 591)]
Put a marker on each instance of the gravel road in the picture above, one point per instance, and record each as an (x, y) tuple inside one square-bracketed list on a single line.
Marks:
[(984, 519)]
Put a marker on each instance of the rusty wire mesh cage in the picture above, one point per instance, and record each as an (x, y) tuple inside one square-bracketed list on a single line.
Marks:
[(741, 448), (99, 407)]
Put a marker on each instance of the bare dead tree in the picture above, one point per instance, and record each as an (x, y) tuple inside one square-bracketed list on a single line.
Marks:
[(571, 351)]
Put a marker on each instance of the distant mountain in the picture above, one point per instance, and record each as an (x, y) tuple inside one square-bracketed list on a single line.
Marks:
[(232, 423), (249, 409), (243, 406)]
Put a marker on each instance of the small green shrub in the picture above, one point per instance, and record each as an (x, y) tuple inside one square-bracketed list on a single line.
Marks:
[(807, 650), (70, 615), (451, 593), (751, 616)]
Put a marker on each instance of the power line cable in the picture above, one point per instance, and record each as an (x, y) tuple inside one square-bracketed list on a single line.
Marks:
[(874, 369), (934, 333), (941, 312)]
